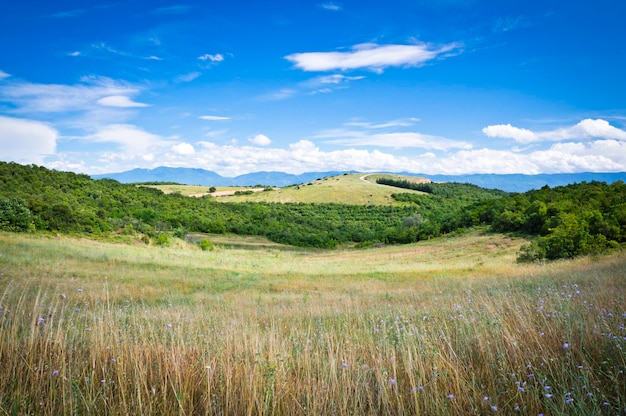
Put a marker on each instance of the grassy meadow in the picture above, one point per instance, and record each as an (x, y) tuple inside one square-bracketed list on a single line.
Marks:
[(356, 189), (448, 326)]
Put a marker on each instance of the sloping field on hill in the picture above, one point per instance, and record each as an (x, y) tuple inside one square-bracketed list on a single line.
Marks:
[(357, 189)]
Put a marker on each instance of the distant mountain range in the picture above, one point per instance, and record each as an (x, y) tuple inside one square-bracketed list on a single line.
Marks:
[(509, 182)]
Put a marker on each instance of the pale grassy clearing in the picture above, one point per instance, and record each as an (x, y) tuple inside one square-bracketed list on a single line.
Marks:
[(198, 190), (450, 326), (344, 189)]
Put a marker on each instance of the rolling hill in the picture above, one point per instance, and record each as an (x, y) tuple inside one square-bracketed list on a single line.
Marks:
[(509, 182)]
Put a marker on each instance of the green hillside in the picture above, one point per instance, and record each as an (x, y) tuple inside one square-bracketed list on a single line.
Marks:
[(355, 189), (580, 219)]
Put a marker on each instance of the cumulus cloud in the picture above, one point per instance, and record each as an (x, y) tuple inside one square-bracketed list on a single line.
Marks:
[(26, 141), (260, 140), (370, 56), (119, 101), (183, 149), (306, 156), (586, 129)]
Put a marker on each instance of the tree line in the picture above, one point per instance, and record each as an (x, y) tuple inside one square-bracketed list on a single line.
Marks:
[(564, 221)]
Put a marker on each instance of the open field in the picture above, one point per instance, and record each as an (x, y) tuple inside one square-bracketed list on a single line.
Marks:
[(448, 326), (356, 189), (360, 189)]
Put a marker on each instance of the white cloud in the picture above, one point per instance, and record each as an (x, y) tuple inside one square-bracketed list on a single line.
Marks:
[(183, 149), (260, 140), (3, 74), (586, 129), (132, 139), (403, 122), (363, 133), (214, 118), (336, 79), (31, 97), (218, 57), (370, 56), (305, 156), (403, 140), (282, 94), (26, 141), (119, 101), (334, 7), (508, 131), (188, 77)]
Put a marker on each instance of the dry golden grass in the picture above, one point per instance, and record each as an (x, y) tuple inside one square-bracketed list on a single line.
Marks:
[(450, 326)]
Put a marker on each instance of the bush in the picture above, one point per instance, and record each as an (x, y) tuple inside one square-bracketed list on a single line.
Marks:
[(162, 240), (206, 245)]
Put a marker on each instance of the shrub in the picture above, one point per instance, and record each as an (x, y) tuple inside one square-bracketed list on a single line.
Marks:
[(206, 245), (162, 240)]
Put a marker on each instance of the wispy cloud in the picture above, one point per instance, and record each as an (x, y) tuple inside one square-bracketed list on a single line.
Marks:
[(4, 75), (402, 140), (508, 23), (371, 56), (403, 122), (121, 101), (131, 138), (68, 14), (188, 77), (50, 98), (174, 9), (332, 6), (586, 129), (362, 133), (214, 118)]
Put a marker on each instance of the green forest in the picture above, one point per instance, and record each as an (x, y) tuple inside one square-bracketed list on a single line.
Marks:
[(562, 222)]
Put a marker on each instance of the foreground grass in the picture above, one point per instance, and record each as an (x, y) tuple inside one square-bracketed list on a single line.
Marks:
[(452, 326)]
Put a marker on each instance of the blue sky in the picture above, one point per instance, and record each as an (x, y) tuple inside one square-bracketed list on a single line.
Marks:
[(435, 87)]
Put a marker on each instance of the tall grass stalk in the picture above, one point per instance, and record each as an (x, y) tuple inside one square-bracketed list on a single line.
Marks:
[(87, 338)]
